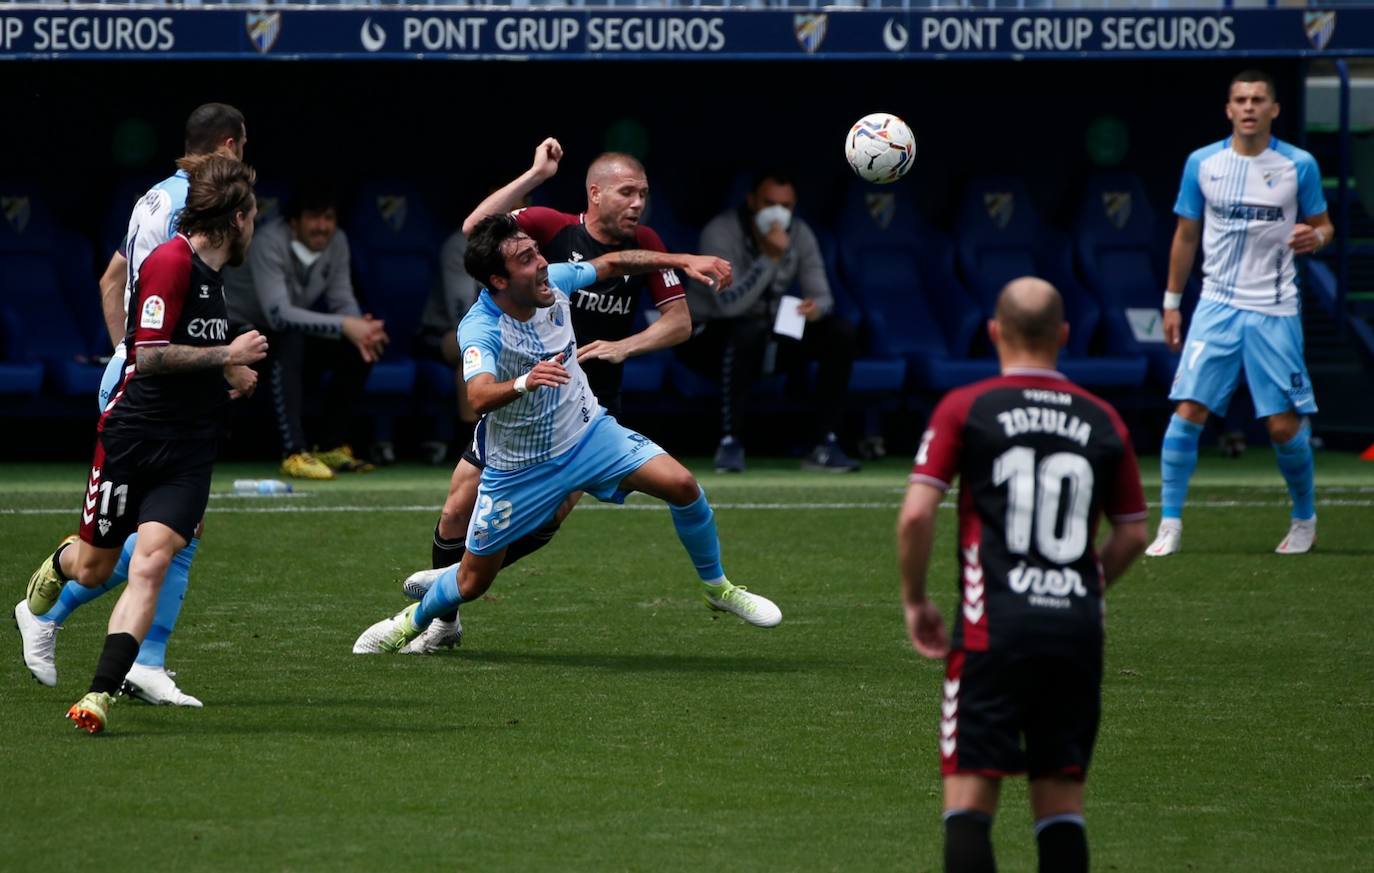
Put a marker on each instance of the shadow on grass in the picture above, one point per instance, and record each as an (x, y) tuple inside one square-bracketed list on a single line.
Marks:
[(653, 662)]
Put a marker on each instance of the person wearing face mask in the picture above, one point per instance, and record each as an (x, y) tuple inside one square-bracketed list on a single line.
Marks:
[(297, 290), (773, 254)]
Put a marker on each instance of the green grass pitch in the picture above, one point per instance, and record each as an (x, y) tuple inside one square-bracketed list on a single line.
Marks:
[(599, 718)]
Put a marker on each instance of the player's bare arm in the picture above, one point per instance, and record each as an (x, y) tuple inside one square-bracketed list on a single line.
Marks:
[(247, 348), (486, 394), (673, 326), (1182, 253), (1125, 543), (112, 296), (1311, 234), (915, 536), (706, 269), (547, 156)]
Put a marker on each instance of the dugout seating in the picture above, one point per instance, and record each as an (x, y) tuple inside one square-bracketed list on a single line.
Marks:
[(41, 270), (1118, 248), (1000, 238), (900, 271)]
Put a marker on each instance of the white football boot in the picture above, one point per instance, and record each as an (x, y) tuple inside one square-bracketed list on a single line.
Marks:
[(1168, 540), (439, 635), (154, 685), (40, 644), (1302, 536)]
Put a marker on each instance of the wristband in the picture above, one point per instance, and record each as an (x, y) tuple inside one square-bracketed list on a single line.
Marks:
[(1173, 299), (520, 384)]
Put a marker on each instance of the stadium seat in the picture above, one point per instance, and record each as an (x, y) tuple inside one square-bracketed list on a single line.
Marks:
[(900, 272), (31, 289), (1002, 238), (1118, 256), (873, 373), (395, 246)]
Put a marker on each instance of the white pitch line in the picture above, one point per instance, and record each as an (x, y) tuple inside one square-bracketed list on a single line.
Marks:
[(659, 507)]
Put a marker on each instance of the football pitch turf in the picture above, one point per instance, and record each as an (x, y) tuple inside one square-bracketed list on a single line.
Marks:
[(598, 717)]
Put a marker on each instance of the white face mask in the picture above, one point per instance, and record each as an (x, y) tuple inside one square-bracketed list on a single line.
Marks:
[(304, 254), (765, 218)]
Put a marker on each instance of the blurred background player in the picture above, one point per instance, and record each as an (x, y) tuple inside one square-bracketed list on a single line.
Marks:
[(300, 266), (1243, 197), (775, 253), (213, 128), (158, 437), (449, 300), (602, 314), (1037, 459), (547, 436)]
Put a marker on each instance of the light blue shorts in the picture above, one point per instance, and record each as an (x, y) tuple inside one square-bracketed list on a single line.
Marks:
[(513, 503), (1223, 340), (114, 371)]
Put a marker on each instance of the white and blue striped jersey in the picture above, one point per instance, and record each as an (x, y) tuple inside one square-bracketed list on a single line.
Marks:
[(1250, 205), (547, 421), (153, 222)]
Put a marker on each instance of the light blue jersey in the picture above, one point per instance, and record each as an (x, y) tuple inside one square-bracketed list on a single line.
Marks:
[(547, 421), (153, 222), (1248, 206)]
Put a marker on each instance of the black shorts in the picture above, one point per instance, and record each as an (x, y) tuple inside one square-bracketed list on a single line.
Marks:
[(476, 452), (136, 480), (1005, 713)]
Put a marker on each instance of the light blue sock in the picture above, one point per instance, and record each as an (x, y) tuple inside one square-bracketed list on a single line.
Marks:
[(1298, 469), (696, 527), (153, 652), (75, 595), (1177, 461), (441, 597)]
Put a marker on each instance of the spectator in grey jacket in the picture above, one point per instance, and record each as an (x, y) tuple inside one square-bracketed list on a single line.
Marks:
[(297, 290), (773, 254)]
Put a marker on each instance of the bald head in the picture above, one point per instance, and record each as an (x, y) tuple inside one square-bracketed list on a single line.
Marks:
[(1030, 315), (609, 167)]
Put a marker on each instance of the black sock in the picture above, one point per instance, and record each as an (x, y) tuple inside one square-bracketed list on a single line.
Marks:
[(57, 560), (445, 553), (529, 544), (968, 842), (1063, 845), (115, 660)]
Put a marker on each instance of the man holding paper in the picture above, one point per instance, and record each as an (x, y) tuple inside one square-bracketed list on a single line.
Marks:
[(776, 317)]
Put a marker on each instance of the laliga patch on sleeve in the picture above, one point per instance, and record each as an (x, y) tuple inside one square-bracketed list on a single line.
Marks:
[(153, 312), (472, 361)]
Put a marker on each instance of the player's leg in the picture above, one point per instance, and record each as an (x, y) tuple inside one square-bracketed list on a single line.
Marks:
[(1060, 835), (148, 679), (970, 804), (129, 622), (455, 585), (1282, 391), (1208, 373), (663, 477)]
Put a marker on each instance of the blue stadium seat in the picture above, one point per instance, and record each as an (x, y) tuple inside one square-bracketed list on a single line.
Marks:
[(901, 273), (395, 244), (31, 289), (1001, 238), (1118, 255), (873, 373)]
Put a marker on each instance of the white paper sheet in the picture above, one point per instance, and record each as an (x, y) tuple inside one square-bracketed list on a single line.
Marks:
[(790, 322)]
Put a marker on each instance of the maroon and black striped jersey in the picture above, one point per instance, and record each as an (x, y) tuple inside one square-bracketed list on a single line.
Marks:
[(177, 300), (1039, 460), (605, 310)]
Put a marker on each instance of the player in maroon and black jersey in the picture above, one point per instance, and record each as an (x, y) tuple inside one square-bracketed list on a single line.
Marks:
[(603, 321), (158, 436), (1039, 461)]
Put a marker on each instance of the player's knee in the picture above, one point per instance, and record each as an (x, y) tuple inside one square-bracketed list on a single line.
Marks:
[(682, 488), (1189, 410), (1283, 427)]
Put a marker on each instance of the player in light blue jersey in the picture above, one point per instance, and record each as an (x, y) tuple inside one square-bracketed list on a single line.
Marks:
[(547, 436), (212, 128), (1256, 203)]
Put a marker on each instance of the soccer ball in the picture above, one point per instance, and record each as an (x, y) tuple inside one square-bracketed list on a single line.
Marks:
[(880, 148)]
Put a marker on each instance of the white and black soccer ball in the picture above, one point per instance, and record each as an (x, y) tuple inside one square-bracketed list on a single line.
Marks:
[(880, 147)]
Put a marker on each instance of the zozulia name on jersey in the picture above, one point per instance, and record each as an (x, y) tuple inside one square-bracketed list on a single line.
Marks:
[(1035, 419)]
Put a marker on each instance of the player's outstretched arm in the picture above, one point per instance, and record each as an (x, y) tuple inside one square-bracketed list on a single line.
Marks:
[(673, 326), (547, 156), (706, 269), (915, 536), (486, 394), (112, 296), (1182, 253)]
